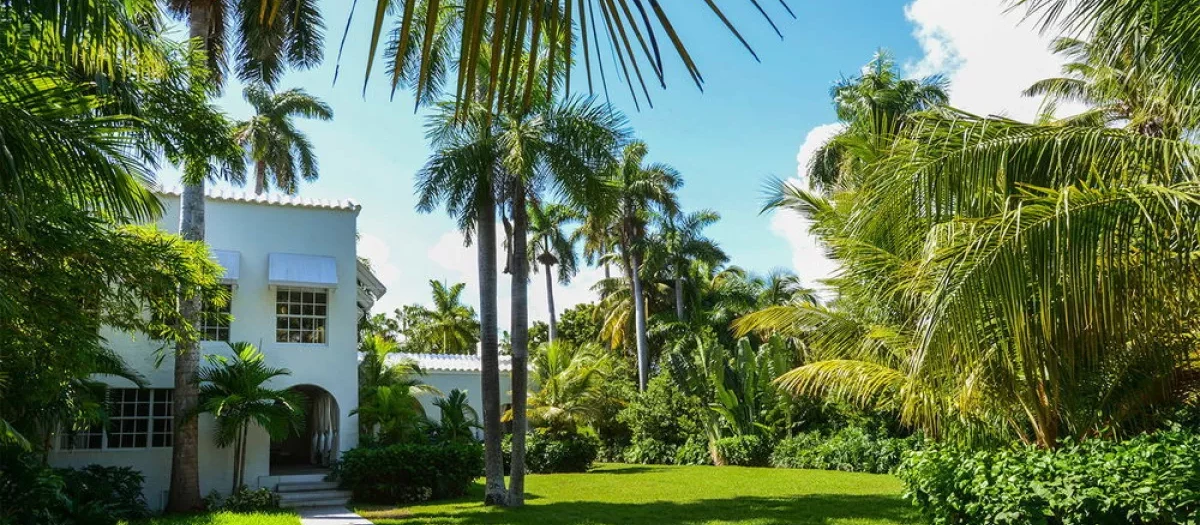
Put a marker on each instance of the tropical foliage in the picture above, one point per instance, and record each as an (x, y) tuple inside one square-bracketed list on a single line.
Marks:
[(280, 153), (236, 392), (389, 409)]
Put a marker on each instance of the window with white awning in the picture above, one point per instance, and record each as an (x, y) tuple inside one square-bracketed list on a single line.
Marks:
[(300, 270)]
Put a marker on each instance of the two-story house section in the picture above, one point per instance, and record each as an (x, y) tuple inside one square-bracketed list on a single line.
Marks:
[(296, 292)]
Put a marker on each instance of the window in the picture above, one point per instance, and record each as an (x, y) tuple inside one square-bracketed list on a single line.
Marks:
[(137, 418), (300, 315), (214, 320)]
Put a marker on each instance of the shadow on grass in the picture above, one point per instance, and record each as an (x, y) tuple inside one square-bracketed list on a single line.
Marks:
[(811, 509), (624, 469)]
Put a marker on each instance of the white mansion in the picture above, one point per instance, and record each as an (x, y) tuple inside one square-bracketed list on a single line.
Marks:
[(297, 293)]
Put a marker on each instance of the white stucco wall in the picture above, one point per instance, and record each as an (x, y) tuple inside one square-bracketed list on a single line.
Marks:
[(255, 230), (467, 381)]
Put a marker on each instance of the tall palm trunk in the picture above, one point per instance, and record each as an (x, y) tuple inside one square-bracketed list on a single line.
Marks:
[(550, 301), (678, 294), (489, 350), (260, 177), (520, 346), (184, 492), (632, 268)]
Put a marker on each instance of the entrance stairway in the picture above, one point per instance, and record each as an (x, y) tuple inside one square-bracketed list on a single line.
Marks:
[(307, 490)]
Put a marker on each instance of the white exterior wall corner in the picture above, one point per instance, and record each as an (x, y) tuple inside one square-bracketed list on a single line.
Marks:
[(254, 229)]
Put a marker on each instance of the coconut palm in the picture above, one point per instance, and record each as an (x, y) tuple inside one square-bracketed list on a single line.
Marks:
[(570, 382), (550, 246), (267, 41), (280, 153), (682, 241), (235, 392), (640, 190), (468, 37)]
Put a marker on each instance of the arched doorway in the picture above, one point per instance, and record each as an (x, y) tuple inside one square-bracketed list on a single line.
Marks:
[(316, 447)]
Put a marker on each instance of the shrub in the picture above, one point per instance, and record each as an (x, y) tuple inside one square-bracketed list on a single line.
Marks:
[(552, 452), (650, 452), (1151, 479), (409, 472), (245, 499), (694, 452), (745, 451), (115, 492), (91, 495), (661, 420), (851, 449)]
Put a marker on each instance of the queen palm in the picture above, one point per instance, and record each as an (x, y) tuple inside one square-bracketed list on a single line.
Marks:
[(549, 246), (280, 153), (267, 41), (235, 392), (640, 190)]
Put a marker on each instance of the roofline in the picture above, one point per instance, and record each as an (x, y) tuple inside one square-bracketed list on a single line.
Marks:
[(264, 199)]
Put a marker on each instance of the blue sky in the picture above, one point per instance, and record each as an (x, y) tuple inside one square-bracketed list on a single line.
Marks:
[(753, 121)]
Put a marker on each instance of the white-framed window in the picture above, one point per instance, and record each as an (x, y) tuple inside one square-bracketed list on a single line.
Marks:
[(301, 315), (214, 320), (137, 418)]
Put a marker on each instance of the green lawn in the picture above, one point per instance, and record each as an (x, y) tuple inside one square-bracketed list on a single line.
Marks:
[(658, 495), (225, 518)]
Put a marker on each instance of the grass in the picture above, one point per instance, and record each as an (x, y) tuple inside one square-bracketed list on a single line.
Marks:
[(660, 495), (225, 518)]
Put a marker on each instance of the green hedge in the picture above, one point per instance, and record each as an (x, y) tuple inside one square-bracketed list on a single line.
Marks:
[(33, 494), (745, 451), (1152, 479), (548, 453), (409, 472), (851, 449)]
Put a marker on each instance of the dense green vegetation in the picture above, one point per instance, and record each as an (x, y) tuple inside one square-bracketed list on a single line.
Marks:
[(619, 494)]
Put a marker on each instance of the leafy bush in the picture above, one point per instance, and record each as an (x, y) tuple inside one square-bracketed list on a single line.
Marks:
[(115, 492), (745, 451), (851, 449), (694, 452), (91, 495), (1151, 479), (408, 472), (661, 420), (245, 499), (551, 452)]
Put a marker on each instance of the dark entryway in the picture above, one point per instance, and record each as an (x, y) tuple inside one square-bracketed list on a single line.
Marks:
[(316, 447)]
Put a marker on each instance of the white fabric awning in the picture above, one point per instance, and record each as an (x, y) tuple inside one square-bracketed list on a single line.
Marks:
[(231, 261), (292, 269)]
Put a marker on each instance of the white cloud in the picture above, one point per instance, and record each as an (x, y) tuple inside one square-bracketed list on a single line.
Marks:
[(808, 259), (377, 252), (985, 51)]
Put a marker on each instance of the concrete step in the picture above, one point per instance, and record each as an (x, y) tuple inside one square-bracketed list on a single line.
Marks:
[(306, 486), (331, 502), (314, 495)]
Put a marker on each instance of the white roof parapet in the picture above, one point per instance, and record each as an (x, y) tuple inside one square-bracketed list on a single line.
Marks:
[(448, 363), (275, 199)]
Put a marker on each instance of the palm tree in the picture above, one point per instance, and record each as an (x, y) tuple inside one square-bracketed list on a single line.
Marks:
[(872, 106), (388, 391), (458, 420), (448, 328), (551, 246), (462, 174), (469, 37), (235, 392), (682, 241), (570, 382), (267, 41), (639, 191), (273, 144)]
